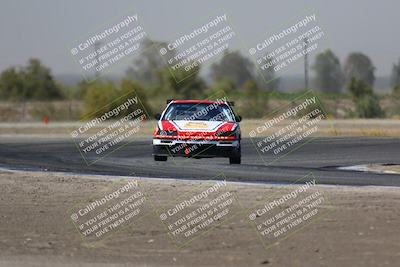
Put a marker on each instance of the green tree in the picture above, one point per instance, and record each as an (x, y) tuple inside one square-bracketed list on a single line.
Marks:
[(358, 89), (255, 101), (39, 82), (187, 86), (12, 86), (102, 97), (98, 98), (366, 103), (233, 66), (80, 90), (368, 107), (395, 77), (129, 89), (360, 67), (395, 80), (225, 85), (396, 90), (329, 76), (34, 81), (146, 65)]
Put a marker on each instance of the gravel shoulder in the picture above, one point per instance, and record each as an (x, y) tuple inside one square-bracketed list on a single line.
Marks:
[(360, 229)]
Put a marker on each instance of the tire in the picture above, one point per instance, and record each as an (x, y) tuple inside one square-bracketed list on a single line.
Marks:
[(160, 158), (235, 160)]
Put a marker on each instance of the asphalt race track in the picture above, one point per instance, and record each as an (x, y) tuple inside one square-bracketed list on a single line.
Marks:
[(321, 157)]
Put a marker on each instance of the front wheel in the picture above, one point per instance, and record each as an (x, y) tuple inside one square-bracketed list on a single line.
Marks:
[(237, 158), (160, 158)]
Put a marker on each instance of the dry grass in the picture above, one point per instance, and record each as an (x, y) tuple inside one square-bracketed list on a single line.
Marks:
[(340, 127), (384, 168), (373, 128)]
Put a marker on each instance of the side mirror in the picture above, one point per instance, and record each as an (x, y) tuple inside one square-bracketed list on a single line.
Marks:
[(238, 118), (157, 116)]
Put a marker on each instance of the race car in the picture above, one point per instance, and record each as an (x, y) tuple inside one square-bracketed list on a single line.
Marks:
[(197, 129)]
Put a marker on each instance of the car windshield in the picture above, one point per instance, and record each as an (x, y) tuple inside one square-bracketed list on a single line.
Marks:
[(199, 112)]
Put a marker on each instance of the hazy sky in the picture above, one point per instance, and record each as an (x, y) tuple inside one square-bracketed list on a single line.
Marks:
[(46, 28)]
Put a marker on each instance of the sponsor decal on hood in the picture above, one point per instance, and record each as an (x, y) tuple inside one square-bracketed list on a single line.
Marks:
[(197, 125)]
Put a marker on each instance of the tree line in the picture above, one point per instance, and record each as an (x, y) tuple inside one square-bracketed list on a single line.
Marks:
[(234, 73)]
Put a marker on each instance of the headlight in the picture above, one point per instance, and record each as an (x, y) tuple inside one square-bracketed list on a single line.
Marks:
[(168, 129), (226, 134), (168, 133), (227, 130)]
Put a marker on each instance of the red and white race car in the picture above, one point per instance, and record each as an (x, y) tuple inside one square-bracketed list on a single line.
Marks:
[(197, 129)]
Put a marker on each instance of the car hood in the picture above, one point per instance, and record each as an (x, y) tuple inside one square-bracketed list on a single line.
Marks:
[(187, 126)]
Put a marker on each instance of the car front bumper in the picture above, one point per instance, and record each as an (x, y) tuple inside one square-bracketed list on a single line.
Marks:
[(196, 148)]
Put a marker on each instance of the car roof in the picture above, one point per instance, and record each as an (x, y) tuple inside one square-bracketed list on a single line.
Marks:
[(197, 102)]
